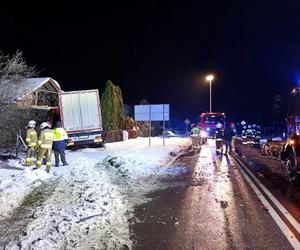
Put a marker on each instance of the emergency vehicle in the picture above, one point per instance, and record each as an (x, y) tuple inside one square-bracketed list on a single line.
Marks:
[(208, 123)]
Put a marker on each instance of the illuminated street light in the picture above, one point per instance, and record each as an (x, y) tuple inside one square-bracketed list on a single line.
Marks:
[(210, 78)]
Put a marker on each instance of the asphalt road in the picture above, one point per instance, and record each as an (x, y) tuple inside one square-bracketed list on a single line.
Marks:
[(211, 207)]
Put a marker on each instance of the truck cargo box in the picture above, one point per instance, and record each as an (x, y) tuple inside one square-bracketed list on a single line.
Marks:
[(80, 114)]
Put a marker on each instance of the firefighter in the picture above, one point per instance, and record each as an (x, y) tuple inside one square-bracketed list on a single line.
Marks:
[(219, 138), (195, 136), (31, 140), (45, 146), (59, 144), (233, 127)]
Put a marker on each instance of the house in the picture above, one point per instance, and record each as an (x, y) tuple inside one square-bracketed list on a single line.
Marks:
[(34, 93)]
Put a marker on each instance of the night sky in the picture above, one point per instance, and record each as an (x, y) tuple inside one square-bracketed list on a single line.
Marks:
[(162, 50)]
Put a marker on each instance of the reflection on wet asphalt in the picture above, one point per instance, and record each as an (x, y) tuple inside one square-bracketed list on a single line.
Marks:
[(211, 208), (275, 177)]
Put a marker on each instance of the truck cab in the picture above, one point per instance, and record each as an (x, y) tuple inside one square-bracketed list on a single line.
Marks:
[(208, 122)]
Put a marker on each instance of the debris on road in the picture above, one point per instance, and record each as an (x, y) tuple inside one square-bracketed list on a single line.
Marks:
[(260, 174), (172, 153), (224, 204)]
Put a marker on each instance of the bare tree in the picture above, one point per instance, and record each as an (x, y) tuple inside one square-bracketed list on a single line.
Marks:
[(13, 72)]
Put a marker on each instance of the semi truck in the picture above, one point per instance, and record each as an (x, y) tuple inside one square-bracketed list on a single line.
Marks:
[(80, 114)]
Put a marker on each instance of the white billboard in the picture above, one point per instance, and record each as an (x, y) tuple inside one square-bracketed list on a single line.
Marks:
[(156, 112)]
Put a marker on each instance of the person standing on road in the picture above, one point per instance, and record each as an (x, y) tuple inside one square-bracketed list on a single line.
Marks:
[(45, 146), (228, 134), (195, 136), (31, 140), (59, 144), (219, 138)]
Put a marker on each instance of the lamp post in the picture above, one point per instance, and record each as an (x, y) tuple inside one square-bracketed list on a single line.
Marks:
[(210, 78)]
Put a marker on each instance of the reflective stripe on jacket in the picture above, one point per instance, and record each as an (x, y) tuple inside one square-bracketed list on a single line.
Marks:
[(31, 137), (46, 138), (219, 133)]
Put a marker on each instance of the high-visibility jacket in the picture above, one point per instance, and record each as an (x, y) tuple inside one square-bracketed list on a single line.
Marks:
[(60, 137), (31, 137), (46, 138), (195, 131)]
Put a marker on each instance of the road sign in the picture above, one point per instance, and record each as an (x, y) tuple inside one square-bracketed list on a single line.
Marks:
[(187, 121), (155, 112)]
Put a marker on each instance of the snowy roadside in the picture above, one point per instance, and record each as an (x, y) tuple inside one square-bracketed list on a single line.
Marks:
[(94, 197)]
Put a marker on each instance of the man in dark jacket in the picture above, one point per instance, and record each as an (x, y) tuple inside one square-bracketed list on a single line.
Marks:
[(59, 144), (228, 134)]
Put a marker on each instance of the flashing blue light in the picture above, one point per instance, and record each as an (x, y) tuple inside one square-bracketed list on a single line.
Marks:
[(207, 129)]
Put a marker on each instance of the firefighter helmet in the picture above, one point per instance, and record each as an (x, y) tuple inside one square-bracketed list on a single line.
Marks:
[(45, 125), (31, 124)]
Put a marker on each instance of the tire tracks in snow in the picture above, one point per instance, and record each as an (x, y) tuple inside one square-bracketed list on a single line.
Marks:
[(15, 225)]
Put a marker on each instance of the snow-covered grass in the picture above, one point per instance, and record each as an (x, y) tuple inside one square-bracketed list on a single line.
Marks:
[(93, 197)]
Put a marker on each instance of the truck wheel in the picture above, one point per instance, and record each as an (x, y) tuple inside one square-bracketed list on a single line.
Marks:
[(263, 150), (99, 145)]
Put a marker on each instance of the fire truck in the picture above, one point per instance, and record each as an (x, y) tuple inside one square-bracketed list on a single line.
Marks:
[(208, 122), (293, 115), (289, 149)]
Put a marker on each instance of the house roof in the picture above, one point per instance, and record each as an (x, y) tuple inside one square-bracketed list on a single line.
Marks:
[(32, 84), (18, 90)]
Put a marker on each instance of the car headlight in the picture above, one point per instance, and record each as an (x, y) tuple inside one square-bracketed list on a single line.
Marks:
[(203, 133)]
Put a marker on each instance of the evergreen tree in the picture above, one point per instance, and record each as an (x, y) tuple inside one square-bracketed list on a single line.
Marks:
[(112, 107), (119, 106)]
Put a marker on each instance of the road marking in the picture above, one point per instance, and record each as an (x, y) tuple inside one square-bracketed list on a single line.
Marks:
[(282, 225), (281, 208)]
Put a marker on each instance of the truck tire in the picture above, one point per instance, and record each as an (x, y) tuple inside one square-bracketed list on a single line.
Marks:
[(263, 150)]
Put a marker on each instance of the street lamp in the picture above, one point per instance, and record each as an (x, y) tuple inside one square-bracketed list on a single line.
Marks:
[(210, 78)]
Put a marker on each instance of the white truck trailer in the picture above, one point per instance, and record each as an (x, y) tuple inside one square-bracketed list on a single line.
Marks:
[(80, 115)]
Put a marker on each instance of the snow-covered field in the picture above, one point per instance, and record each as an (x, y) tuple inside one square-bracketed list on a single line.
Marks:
[(91, 201)]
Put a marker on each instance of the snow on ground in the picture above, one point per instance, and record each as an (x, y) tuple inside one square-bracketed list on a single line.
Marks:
[(16, 181), (93, 197)]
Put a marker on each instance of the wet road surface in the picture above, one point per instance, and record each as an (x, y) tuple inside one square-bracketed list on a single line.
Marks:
[(211, 207), (273, 174)]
